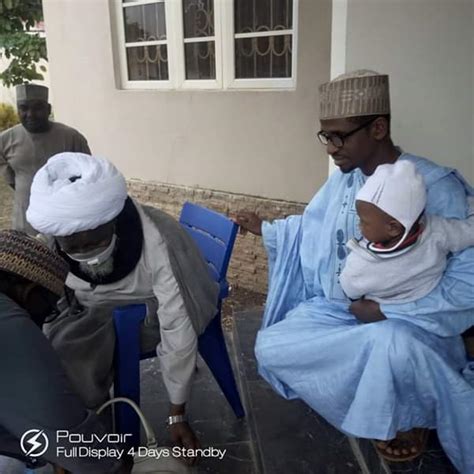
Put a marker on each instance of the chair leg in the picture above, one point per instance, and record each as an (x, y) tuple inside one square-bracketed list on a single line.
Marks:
[(127, 322), (213, 350)]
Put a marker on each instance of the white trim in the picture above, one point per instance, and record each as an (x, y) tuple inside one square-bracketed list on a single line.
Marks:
[(224, 40), (229, 37), (264, 84), (338, 47), (148, 85), (201, 84), (228, 52), (218, 31), (200, 39), (122, 48), (294, 43), (179, 71), (171, 35), (137, 3), (145, 43), (264, 34)]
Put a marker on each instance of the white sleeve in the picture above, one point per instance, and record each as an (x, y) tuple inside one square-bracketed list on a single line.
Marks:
[(352, 277), (458, 234), (177, 350)]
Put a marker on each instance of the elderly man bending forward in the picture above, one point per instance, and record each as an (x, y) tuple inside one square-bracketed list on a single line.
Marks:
[(119, 253)]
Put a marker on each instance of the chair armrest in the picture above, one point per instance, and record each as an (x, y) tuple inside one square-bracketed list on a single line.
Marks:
[(129, 318)]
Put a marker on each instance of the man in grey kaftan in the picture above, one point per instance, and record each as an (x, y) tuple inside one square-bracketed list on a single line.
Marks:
[(26, 147)]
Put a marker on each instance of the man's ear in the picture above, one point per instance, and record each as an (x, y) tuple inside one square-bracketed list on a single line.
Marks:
[(380, 128), (394, 228)]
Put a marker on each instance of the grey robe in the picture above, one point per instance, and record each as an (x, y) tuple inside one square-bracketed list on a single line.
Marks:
[(22, 154), (84, 335)]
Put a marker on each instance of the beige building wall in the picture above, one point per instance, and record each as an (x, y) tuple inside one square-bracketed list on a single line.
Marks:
[(258, 143), (427, 47)]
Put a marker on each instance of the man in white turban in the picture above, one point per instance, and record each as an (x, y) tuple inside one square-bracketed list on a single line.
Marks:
[(120, 252)]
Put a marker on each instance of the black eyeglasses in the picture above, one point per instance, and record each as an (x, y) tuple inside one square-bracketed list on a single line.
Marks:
[(337, 139)]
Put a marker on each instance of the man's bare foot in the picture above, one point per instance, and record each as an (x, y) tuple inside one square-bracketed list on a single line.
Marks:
[(407, 445)]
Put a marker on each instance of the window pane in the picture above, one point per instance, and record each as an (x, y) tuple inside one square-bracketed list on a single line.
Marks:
[(263, 15), (198, 18), (145, 23), (263, 57), (200, 60), (148, 63)]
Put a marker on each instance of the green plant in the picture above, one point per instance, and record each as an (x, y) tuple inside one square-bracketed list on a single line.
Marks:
[(19, 44), (8, 116)]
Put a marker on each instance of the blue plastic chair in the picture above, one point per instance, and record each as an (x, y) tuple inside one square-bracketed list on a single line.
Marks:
[(214, 235)]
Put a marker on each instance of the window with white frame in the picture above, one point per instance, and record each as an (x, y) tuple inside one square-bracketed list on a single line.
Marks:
[(207, 44)]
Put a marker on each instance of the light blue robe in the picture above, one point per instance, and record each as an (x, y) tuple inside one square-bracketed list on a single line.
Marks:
[(369, 380)]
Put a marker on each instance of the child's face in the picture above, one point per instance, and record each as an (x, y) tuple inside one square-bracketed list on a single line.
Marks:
[(374, 223)]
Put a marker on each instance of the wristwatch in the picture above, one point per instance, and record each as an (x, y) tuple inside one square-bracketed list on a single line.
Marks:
[(172, 420)]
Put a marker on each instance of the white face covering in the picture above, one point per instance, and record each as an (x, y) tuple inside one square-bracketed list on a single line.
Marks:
[(96, 256)]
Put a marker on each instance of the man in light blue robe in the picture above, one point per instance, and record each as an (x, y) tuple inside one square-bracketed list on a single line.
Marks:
[(382, 370)]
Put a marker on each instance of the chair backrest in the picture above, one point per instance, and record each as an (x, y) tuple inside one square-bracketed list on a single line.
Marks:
[(214, 235)]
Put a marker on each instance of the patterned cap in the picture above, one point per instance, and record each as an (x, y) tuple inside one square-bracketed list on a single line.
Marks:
[(29, 258), (355, 94)]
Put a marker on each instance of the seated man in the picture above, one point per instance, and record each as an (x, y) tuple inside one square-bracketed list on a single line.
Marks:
[(120, 252), (404, 371), (36, 393)]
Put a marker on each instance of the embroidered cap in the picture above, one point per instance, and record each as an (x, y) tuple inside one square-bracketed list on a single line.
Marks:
[(29, 258), (355, 94)]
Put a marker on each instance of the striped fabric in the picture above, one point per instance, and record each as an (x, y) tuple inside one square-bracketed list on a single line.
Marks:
[(29, 258)]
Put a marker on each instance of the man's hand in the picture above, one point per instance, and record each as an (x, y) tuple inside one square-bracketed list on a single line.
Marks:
[(367, 311), (182, 435), (249, 221)]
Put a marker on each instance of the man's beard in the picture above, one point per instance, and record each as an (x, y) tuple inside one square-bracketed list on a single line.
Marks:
[(99, 271)]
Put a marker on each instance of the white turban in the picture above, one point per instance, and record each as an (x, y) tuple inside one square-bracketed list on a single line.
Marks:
[(398, 190), (74, 192)]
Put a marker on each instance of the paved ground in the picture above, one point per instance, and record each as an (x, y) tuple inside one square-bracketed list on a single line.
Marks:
[(290, 438), (276, 437)]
